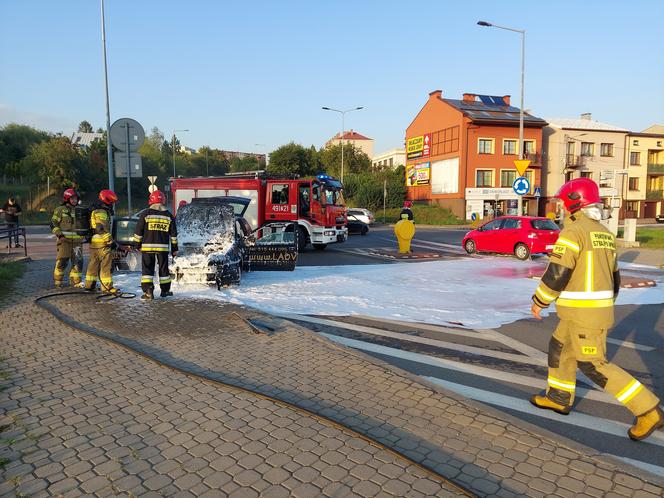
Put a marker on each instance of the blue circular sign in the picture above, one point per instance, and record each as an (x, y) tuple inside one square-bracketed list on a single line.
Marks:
[(473, 216), (521, 186)]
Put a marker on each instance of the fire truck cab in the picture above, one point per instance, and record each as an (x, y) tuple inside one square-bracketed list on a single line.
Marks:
[(315, 204)]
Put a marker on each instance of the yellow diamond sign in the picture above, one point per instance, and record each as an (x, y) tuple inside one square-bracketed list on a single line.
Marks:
[(521, 165)]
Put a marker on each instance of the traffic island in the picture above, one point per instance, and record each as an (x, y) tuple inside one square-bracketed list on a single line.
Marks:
[(391, 254), (479, 450)]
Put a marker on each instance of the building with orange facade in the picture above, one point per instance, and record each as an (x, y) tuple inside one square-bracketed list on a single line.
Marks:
[(460, 154)]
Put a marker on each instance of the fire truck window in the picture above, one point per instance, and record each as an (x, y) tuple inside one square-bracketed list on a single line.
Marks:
[(333, 197), (279, 194), (304, 199)]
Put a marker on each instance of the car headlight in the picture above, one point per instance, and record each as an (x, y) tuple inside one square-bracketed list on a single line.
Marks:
[(329, 232)]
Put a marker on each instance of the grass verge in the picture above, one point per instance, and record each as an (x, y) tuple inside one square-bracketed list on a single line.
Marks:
[(650, 238), (423, 215), (9, 271)]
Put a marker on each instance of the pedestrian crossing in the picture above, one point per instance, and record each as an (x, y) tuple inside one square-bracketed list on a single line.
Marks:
[(496, 370)]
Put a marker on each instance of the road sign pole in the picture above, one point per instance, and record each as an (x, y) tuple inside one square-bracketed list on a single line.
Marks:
[(128, 171)]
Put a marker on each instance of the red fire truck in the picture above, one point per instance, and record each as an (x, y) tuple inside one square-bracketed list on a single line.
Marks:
[(315, 204)]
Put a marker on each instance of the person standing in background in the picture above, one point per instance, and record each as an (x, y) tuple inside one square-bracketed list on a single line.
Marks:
[(12, 210)]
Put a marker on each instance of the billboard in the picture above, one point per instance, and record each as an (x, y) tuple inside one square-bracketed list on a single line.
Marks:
[(418, 146), (418, 174)]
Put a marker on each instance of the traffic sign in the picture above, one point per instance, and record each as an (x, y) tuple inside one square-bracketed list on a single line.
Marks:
[(538, 192), (135, 164), (521, 186), (152, 179), (521, 165), (152, 187), (127, 129)]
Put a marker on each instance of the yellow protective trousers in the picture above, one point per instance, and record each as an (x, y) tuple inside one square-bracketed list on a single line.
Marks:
[(68, 250), (99, 268), (575, 346)]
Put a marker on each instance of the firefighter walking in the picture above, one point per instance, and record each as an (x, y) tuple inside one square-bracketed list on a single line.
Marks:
[(101, 245), (155, 231), (583, 280), (70, 243)]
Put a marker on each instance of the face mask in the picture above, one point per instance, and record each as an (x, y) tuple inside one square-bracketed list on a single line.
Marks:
[(596, 212)]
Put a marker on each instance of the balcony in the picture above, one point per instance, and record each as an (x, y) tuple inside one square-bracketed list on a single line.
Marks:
[(655, 169), (535, 159), (572, 161), (655, 195)]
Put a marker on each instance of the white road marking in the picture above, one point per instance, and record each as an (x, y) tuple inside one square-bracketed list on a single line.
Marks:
[(514, 344), (419, 340), (629, 344), (428, 326), (441, 245), (512, 378), (577, 419)]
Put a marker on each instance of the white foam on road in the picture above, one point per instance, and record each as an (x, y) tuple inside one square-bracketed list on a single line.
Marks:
[(479, 293)]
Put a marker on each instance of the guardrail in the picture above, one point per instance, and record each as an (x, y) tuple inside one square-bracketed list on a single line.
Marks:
[(9, 231)]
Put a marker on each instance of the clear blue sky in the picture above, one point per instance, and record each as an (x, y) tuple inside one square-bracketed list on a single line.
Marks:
[(243, 73)]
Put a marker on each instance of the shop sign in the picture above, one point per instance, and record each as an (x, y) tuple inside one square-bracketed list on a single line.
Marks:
[(418, 146), (490, 193), (418, 174)]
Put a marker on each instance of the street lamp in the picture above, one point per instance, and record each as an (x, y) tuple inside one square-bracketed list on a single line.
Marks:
[(523, 70), (343, 131), (174, 131)]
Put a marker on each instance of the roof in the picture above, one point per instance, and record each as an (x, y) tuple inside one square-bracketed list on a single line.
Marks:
[(492, 109), (85, 139), (583, 124), (351, 135)]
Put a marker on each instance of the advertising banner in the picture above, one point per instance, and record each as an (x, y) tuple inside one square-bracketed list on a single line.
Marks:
[(418, 174), (414, 147)]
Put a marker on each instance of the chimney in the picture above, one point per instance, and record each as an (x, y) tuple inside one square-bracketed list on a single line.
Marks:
[(587, 116), (436, 94), (469, 97), (506, 99)]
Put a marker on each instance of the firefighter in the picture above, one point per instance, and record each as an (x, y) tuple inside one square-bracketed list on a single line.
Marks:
[(154, 231), (101, 245), (406, 211), (70, 244), (583, 280)]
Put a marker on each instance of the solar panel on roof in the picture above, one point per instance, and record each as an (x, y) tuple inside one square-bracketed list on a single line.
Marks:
[(486, 99), (498, 100)]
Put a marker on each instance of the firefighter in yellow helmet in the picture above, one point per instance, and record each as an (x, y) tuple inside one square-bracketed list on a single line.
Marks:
[(583, 280), (70, 243), (101, 245)]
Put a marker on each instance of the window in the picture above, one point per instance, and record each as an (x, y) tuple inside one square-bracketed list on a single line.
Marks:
[(445, 141), (484, 178), (528, 147), (509, 147), (587, 149), (511, 223), (587, 174), (391, 162), (493, 225), (659, 143), (485, 146), (635, 142), (632, 206), (634, 183), (635, 159), (279, 194), (606, 150), (570, 148), (507, 178), (544, 225), (530, 176)]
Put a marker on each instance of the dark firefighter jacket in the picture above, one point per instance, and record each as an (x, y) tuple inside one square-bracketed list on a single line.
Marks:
[(155, 230)]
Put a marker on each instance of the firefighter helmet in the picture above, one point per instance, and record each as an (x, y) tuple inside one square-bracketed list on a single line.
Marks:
[(157, 197), (69, 193), (108, 197), (579, 193), (407, 204)]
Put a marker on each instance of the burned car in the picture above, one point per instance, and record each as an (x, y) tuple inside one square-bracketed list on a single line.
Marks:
[(216, 243)]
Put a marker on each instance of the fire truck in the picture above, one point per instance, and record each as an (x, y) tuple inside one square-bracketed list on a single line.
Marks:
[(316, 205)]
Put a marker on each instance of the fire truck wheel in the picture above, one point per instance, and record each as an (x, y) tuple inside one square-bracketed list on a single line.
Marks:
[(301, 239), (320, 247)]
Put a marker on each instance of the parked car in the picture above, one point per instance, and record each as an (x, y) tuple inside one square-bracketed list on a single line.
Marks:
[(355, 225), (518, 235), (364, 215), (659, 218)]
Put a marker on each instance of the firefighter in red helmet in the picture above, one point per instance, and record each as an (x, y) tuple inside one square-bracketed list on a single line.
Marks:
[(406, 211), (101, 245), (69, 244), (583, 280), (156, 234)]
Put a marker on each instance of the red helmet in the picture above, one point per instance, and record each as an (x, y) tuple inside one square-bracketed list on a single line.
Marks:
[(407, 204), (157, 197), (69, 193), (579, 193), (108, 197)]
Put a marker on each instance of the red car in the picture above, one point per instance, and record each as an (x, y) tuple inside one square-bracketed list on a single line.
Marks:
[(518, 235)]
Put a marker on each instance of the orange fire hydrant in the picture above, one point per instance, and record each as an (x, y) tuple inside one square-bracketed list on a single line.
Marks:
[(405, 231)]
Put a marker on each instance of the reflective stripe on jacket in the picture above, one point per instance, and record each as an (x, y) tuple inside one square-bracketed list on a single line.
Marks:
[(62, 223), (582, 277), (100, 222), (156, 230)]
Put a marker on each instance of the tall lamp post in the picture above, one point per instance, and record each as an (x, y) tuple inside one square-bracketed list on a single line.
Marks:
[(109, 150), (523, 71), (343, 131), (174, 131)]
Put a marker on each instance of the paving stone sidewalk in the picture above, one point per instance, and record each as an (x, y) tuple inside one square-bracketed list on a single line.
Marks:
[(457, 439), (82, 417)]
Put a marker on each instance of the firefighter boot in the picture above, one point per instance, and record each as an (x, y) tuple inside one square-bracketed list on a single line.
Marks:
[(166, 293), (547, 403), (646, 424), (148, 295)]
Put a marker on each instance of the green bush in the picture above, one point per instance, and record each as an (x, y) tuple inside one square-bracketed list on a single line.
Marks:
[(366, 189), (425, 215)]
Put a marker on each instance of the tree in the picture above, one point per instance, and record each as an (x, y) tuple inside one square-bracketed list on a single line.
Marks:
[(57, 159), (85, 127), (355, 161), (292, 159), (15, 143), (247, 163)]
